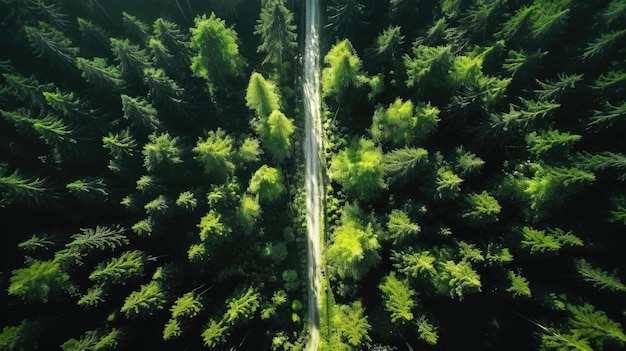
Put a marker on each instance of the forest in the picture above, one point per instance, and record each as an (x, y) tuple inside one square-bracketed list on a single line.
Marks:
[(152, 175)]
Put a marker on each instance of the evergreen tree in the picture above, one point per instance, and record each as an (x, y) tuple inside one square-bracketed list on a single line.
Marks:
[(275, 133), (267, 182), (144, 302), (277, 31), (359, 168), (52, 45), (262, 96), (216, 50)]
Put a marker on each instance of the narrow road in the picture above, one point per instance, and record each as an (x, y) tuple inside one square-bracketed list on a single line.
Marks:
[(313, 176)]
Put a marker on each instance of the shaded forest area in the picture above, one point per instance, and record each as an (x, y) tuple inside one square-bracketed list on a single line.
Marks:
[(151, 175)]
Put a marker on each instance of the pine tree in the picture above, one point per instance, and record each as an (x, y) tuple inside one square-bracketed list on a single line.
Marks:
[(98, 238), (136, 30), (131, 60), (398, 298), (359, 168), (104, 78), (38, 280), (216, 50), (95, 36), (600, 279), (344, 17), (119, 269), (401, 165), (267, 182), (278, 33), (275, 133), (15, 187), (52, 45), (144, 302), (215, 153), (261, 96), (162, 153)]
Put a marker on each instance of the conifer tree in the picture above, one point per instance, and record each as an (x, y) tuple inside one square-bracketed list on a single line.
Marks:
[(144, 302), (277, 31), (216, 50), (52, 45), (261, 96)]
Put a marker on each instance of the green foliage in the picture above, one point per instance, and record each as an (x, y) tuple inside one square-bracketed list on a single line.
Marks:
[(602, 161), (415, 264), (351, 324), (610, 80), (96, 36), (18, 188), (278, 33), (250, 150), (93, 340), (469, 252), (359, 168), (398, 298), (614, 11), (519, 285), (144, 302), (354, 248), (401, 124), (158, 207), (51, 45), (215, 153), (20, 337), (482, 208), (342, 70), (98, 238), (267, 182), (119, 270), (388, 45), (600, 279), (131, 59), (88, 189), (275, 132), (104, 78), (261, 96), (554, 90), (428, 65), (174, 39), (595, 324), (36, 243), (211, 224), (92, 298), (550, 142), (427, 331), (400, 226), (162, 153), (186, 306), (216, 50), (172, 329), (458, 279), (39, 279), (448, 184), (550, 186), (187, 201), (241, 306), (214, 334), (602, 44), (467, 162), (121, 146), (554, 240), (135, 28), (607, 116), (619, 212), (344, 17), (403, 164)]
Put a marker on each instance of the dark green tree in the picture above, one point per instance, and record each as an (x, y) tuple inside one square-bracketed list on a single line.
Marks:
[(278, 34)]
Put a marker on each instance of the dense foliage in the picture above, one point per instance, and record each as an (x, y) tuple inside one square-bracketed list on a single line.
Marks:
[(151, 175)]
